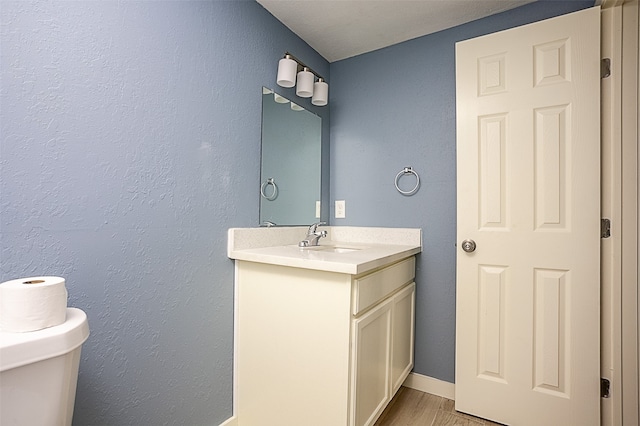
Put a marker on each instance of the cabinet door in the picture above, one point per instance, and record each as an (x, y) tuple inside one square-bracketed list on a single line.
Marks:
[(371, 351), (402, 335)]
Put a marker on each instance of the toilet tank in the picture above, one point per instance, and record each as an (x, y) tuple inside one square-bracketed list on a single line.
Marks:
[(39, 373)]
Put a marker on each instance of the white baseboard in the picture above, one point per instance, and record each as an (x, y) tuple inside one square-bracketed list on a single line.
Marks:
[(233, 421), (414, 381), (430, 385)]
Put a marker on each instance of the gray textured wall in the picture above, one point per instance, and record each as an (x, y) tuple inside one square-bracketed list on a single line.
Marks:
[(130, 142), (395, 107)]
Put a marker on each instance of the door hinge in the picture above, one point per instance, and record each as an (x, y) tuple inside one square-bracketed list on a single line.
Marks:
[(605, 228), (604, 388), (605, 67)]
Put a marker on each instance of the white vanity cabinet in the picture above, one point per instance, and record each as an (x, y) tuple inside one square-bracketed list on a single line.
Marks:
[(319, 347)]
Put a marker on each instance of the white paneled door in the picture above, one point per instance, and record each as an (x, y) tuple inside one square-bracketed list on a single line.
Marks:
[(528, 170)]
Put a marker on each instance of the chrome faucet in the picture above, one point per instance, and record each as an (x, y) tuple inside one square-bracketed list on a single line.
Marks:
[(313, 235)]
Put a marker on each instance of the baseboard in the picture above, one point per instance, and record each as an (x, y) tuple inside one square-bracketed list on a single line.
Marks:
[(430, 385), (233, 421), (414, 381)]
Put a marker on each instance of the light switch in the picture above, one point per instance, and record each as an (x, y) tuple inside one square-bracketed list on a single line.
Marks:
[(340, 209), (318, 209)]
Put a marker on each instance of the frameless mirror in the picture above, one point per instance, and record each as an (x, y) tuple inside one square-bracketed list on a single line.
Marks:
[(290, 186)]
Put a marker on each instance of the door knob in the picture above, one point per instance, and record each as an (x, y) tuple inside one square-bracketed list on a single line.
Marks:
[(469, 246)]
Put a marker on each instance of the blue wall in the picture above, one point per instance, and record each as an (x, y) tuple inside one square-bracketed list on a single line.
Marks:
[(130, 142), (395, 107)]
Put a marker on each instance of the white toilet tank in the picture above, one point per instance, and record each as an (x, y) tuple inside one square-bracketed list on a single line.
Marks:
[(39, 373)]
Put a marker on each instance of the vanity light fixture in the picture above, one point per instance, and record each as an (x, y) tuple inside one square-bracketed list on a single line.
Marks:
[(304, 87), (287, 68), (320, 93), (291, 70)]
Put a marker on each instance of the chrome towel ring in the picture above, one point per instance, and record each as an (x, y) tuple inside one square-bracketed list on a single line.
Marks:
[(263, 188), (408, 171)]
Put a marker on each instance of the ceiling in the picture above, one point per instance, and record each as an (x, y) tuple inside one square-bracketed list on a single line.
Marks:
[(340, 29)]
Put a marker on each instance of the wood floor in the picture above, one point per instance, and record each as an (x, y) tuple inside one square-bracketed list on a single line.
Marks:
[(414, 408)]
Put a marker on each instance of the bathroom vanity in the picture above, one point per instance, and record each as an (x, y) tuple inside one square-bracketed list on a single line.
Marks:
[(324, 335)]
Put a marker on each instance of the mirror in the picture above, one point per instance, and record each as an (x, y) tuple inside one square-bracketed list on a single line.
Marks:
[(290, 176)]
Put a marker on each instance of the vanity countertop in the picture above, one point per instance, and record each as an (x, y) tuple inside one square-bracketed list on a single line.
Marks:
[(355, 250)]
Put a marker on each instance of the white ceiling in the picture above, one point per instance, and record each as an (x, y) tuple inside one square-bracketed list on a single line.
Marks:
[(339, 29)]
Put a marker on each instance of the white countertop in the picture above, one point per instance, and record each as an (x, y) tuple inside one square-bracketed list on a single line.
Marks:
[(366, 248)]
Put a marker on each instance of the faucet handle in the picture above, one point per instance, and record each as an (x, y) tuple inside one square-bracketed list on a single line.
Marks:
[(314, 227)]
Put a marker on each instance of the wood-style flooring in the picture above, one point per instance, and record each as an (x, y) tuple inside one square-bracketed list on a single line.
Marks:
[(414, 408)]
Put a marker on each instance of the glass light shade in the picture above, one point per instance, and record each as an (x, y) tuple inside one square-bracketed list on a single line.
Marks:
[(320, 93), (287, 72), (304, 88), (280, 99)]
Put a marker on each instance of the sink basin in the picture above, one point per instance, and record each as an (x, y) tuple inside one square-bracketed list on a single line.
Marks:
[(331, 249), (341, 249)]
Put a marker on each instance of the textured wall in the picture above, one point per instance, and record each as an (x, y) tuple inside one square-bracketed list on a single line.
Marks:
[(394, 108), (130, 142)]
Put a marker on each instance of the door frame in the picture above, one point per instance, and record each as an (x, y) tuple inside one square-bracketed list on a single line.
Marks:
[(620, 196), (630, 227)]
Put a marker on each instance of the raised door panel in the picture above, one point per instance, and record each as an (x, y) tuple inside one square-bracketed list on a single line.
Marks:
[(371, 363), (402, 336)]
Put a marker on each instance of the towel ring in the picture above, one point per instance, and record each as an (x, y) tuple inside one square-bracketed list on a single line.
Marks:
[(263, 188), (408, 171)]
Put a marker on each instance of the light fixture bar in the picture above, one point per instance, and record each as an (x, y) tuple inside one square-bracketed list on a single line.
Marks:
[(302, 65), (293, 72)]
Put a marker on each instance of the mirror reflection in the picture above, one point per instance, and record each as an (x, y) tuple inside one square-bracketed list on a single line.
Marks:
[(290, 185)]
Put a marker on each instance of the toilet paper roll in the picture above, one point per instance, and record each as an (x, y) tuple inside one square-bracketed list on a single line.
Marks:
[(31, 304)]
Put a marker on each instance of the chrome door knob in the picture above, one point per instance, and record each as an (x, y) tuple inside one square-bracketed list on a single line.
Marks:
[(469, 246)]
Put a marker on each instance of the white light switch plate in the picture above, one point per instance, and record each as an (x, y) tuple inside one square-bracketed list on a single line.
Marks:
[(340, 209), (318, 209)]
